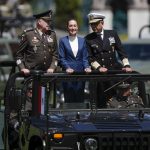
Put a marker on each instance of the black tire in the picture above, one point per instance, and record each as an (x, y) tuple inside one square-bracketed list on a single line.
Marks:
[(35, 144)]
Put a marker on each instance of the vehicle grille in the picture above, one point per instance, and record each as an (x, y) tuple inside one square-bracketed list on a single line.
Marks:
[(122, 141), (130, 125), (113, 122)]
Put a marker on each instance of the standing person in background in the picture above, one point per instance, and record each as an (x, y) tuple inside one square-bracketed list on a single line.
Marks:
[(73, 57), (38, 46), (19, 7), (102, 46)]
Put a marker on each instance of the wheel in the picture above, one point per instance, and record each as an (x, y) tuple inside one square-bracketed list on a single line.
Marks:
[(35, 143)]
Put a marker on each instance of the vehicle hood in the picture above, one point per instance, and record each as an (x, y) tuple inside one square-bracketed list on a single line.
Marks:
[(94, 122)]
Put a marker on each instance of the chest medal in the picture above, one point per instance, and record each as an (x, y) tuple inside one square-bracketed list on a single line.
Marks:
[(35, 41), (49, 39), (35, 48)]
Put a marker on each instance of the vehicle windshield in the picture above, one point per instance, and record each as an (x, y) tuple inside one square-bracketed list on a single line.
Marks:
[(123, 91)]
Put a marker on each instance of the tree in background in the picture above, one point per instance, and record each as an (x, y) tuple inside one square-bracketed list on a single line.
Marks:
[(85, 10), (66, 9)]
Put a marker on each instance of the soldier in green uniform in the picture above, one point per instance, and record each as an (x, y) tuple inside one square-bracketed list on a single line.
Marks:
[(38, 46), (125, 98), (37, 51)]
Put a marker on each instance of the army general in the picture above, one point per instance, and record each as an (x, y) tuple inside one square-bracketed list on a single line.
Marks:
[(38, 46)]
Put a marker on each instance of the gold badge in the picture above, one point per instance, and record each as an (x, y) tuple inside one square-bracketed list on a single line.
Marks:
[(49, 39), (112, 40), (35, 48), (91, 17), (35, 40)]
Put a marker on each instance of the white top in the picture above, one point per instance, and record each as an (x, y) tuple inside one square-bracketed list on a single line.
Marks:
[(73, 40), (102, 34)]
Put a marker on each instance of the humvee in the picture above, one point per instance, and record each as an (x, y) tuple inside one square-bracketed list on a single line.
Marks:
[(75, 126)]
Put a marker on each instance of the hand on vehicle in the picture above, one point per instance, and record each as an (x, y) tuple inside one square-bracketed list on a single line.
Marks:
[(50, 70), (25, 71), (127, 69), (103, 69), (69, 70), (87, 70)]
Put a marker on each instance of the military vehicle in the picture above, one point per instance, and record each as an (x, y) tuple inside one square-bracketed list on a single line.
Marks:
[(75, 126)]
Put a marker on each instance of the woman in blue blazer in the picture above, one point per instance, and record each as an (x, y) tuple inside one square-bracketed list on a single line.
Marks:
[(73, 57)]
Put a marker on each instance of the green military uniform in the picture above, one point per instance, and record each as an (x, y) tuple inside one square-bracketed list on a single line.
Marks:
[(36, 52), (127, 100), (133, 101)]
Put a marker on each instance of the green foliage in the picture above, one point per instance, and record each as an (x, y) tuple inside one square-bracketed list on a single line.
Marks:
[(66, 9)]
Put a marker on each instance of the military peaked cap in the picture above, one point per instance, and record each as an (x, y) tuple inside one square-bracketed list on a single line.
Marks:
[(44, 15), (95, 17), (124, 86)]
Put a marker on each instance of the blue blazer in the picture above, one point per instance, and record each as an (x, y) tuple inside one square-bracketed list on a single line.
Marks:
[(67, 58)]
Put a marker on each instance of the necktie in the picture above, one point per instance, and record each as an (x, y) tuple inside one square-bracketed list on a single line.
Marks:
[(100, 36)]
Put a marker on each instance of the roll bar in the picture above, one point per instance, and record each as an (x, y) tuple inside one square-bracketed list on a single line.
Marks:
[(94, 76)]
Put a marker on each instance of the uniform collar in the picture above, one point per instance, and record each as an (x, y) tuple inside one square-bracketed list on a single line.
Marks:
[(101, 33), (40, 32)]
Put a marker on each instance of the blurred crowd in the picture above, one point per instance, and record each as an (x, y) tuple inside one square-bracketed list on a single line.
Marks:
[(9, 8), (15, 16)]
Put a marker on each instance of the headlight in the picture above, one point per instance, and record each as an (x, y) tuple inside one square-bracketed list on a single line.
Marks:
[(91, 144)]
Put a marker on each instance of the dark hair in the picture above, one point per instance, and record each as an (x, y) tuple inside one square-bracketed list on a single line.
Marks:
[(70, 20)]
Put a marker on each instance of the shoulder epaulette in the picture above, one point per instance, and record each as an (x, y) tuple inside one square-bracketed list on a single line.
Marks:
[(25, 31)]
